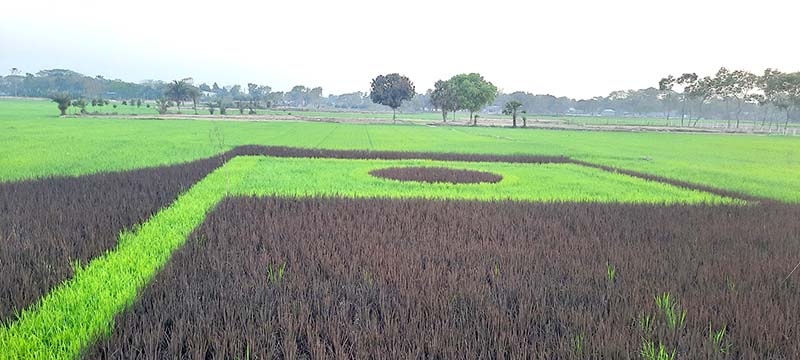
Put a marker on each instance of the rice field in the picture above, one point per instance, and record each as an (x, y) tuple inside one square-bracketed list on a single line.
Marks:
[(188, 239), (35, 143)]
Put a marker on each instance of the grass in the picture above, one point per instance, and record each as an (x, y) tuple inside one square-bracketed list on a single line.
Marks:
[(35, 143)]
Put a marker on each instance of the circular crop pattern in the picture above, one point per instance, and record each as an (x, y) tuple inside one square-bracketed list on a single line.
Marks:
[(437, 175)]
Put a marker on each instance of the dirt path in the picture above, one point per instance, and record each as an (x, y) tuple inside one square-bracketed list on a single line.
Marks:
[(547, 124)]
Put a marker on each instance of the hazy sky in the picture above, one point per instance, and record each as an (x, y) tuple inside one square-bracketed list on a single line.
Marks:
[(563, 47)]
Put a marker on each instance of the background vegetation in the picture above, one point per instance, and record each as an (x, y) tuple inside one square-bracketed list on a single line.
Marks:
[(35, 143)]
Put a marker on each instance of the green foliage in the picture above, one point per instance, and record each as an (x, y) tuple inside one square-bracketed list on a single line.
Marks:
[(511, 108), (649, 351), (611, 273), (443, 97), (579, 344), (163, 105), (717, 340), (672, 312), (275, 274), (180, 91), (473, 92), (647, 324), (391, 90), (63, 100), (80, 104)]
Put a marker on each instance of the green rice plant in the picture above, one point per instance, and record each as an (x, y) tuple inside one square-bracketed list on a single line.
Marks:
[(649, 351), (716, 339), (674, 315), (276, 176), (76, 312), (368, 278), (275, 274), (730, 285), (611, 272), (579, 344), (646, 323)]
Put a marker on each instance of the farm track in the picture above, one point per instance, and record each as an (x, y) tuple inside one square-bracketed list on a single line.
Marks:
[(375, 278), (533, 123)]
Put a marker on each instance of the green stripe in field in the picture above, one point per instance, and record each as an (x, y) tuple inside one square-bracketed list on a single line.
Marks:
[(525, 182), (83, 308), (75, 313)]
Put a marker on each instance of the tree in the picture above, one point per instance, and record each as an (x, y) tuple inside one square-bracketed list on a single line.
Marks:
[(473, 93), (298, 96), (15, 72), (80, 104), (255, 94), (221, 105), (391, 90), (194, 93), (783, 91), (776, 92), (163, 105), (665, 86), (687, 80), (314, 97), (178, 91), (511, 108), (216, 89), (443, 97), (235, 90), (743, 83), (702, 90), (63, 100), (723, 86)]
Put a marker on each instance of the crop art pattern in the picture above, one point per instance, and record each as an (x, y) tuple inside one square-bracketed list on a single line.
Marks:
[(437, 174), (293, 274), (377, 278), (50, 226)]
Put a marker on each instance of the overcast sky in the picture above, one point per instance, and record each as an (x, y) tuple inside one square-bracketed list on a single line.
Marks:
[(565, 47)]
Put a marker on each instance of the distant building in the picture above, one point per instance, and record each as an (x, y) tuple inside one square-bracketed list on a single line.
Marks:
[(608, 112), (494, 109)]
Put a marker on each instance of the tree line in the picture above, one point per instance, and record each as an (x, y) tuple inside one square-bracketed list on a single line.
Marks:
[(727, 95), (773, 90), (469, 92)]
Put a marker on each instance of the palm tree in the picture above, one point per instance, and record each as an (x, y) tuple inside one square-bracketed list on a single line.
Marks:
[(511, 108), (63, 100), (178, 91)]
